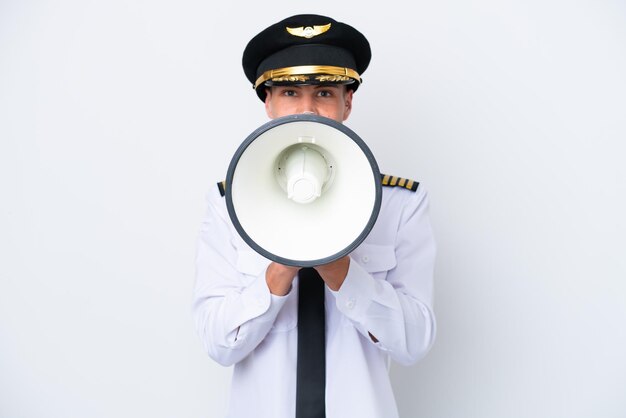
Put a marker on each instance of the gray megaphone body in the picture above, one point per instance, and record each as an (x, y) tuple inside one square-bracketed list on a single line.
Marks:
[(303, 190)]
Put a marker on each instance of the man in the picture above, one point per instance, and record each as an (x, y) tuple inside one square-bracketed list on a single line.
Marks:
[(377, 300)]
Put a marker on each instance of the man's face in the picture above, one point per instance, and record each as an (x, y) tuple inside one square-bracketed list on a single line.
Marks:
[(331, 101)]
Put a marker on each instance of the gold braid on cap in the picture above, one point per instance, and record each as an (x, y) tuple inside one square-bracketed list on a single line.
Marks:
[(303, 73)]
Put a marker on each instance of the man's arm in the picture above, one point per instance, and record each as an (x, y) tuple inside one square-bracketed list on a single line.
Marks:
[(394, 310), (233, 311)]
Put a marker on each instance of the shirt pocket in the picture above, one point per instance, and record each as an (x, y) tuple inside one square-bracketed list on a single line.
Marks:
[(375, 259)]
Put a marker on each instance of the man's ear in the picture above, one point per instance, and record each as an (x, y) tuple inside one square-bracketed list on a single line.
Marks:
[(347, 103), (268, 98)]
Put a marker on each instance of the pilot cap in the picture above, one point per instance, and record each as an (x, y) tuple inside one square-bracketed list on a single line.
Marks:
[(306, 49)]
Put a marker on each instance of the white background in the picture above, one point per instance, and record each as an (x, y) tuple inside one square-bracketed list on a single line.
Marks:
[(117, 116)]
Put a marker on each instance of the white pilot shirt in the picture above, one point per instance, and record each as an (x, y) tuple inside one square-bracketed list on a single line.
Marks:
[(388, 292)]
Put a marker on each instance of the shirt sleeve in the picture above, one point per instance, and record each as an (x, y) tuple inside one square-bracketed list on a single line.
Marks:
[(395, 312), (233, 311)]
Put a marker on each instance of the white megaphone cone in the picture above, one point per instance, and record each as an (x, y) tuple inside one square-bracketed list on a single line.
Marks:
[(303, 190)]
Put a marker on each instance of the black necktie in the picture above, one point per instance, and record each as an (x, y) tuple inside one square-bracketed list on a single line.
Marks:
[(311, 369)]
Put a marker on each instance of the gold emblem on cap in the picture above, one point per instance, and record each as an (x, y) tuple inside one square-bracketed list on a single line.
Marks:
[(308, 31)]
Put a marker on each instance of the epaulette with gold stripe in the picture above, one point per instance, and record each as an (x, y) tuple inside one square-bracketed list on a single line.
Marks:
[(221, 185), (393, 181)]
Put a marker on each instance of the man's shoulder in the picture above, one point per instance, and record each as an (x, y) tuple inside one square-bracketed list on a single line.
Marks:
[(400, 192)]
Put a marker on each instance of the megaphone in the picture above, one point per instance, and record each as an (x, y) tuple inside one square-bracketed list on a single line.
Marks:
[(303, 190)]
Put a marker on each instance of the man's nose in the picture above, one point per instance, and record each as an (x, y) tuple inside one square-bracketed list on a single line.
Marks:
[(308, 107)]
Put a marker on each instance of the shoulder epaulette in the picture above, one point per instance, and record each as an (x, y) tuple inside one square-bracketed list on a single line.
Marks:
[(393, 181), (221, 185)]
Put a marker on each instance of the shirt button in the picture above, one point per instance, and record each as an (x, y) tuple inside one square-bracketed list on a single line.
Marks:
[(350, 303), (365, 259)]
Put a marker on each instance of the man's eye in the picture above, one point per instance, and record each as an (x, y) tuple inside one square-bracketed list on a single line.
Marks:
[(289, 93), (324, 93)]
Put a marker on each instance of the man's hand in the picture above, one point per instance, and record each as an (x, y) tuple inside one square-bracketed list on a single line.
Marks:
[(334, 273), (279, 278)]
